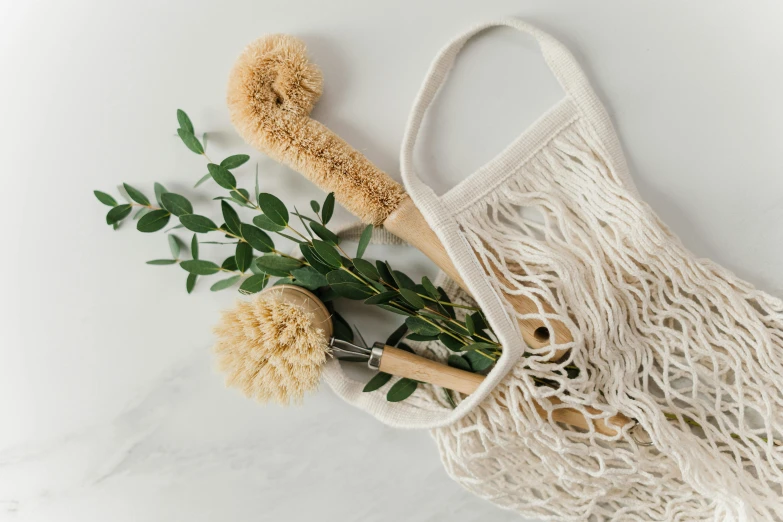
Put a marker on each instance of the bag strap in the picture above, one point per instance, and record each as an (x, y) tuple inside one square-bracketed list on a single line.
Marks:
[(565, 69)]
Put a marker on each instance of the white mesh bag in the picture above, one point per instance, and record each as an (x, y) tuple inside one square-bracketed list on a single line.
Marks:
[(677, 343)]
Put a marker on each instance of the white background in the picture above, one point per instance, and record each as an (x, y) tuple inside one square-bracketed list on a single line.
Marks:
[(109, 406)]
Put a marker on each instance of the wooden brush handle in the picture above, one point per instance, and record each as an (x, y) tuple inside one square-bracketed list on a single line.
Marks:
[(405, 364), (407, 223)]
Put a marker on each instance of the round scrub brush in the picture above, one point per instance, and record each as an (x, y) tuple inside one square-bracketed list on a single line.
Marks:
[(274, 348)]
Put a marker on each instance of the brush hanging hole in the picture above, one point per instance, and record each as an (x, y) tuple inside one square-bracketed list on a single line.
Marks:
[(541, 333)]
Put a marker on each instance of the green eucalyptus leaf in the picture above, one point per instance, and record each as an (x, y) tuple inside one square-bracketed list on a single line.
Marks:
[(153, 221), (204, 178), (385, 272), (420, 326), (159, 191), (312, 258), (480, 346), (401, 390), (422, 338), (253, 267), (194, 247), (352, 291), (325, 234), (191, 282), (315, 206), (222, 176), (233, 223), (430, 315), (190, 140), (162, 262), (197, 223), (366, 268), (444, 297), (230, 263), (262, 221), (244, 256), (342, 330), (382, 298), (277, 265), (136, 195), (232, 162), (176, 204), (457, 361), (105, 198), (431, 290), (397, 335), (394, 310), (328, 208), (242, 197), (257, 238), (273, 208), (225, 283), (364, 240), (412, 298), (327, 253), (479, 360), (403, 280), (253, 284), (200, 267), (174, 245), (378, 380), (347, 286), (456, 327), (118, 213), (469, 325), (478, 321), (340, 276), (309, 277), (184, 121), (378, 286)]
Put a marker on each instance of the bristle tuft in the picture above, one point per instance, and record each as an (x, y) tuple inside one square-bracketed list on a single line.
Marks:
[(271, 350), (271, 91)]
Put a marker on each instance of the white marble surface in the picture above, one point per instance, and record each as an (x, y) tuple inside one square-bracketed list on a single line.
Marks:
[(109, 406)]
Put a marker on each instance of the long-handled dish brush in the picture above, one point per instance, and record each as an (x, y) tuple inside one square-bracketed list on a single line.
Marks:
[(274, 347), (272, 89)]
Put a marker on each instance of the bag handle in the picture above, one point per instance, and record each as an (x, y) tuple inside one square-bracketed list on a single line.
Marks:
[(563, 66)]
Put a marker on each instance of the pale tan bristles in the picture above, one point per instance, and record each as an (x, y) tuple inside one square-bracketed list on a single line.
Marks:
[(271, 91), (271, 349)]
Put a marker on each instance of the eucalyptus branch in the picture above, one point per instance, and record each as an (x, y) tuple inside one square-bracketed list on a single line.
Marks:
[(325, 267)]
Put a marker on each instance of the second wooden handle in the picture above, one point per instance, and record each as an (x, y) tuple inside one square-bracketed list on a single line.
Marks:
[(405, 364)]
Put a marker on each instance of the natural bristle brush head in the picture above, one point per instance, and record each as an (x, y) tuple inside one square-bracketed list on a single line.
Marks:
[(271, 91), (273, 348)]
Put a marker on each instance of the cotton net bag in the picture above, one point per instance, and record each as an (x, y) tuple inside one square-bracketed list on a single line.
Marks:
[(677, 343)]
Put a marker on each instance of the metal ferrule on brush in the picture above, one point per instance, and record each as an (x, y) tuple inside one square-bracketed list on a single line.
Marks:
[(346, 351)]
